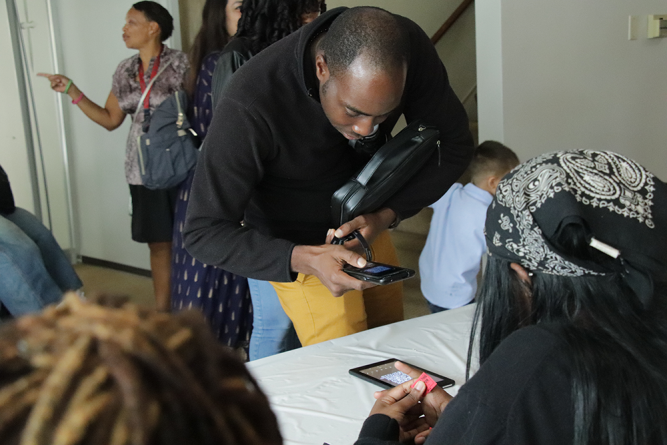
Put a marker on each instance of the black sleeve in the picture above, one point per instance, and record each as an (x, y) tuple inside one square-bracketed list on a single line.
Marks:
[(378, 429), (224, 182), (228, 62), (521, 395), (6, 196), (429, 96)]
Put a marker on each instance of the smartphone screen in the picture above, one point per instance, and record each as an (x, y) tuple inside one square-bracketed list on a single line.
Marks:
[(376, 269), (385, 374), (379, 273)]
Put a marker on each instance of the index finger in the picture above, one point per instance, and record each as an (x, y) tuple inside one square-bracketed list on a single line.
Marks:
[(44, 75), (357, 223)]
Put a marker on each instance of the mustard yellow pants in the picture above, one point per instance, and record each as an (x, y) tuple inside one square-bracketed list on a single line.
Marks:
[(319, 316)]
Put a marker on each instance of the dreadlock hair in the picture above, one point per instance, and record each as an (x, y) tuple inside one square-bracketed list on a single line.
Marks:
[(155, 12), (373, 32), (212, 36), (264, 22), (81, 373), (618, 347)]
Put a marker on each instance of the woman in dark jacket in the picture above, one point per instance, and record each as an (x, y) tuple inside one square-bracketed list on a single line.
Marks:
[(571, 316)]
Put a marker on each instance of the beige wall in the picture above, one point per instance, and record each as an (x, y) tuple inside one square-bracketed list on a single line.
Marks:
[(190, 20), (550, 80), (456, 48)]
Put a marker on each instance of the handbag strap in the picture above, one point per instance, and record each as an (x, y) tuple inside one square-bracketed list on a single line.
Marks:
[(148, 88)]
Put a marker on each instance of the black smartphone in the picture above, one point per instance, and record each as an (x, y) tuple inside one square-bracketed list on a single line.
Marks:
[(379, 273), (385, 374)]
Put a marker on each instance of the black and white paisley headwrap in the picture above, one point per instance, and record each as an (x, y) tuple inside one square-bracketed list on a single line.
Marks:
[(622, 206)]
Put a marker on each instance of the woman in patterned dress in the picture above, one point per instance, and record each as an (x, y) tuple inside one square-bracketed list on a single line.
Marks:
[(220, 295), (147, 25)]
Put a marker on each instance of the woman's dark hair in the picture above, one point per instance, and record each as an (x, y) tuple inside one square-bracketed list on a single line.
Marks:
[(157, 13), (617, 345), (264, 22), (212, 36)]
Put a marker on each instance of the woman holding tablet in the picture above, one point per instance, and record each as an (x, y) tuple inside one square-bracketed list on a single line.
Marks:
[(571, 316)]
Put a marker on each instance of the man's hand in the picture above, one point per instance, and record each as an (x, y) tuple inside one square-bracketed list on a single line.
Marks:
[(402, 403), (326, 263), (433, 404), (369, 225)]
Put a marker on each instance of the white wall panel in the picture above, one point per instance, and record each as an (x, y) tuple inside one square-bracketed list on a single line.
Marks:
[(570, 78)]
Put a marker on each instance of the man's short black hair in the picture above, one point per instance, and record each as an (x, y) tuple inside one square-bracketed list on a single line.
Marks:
[(157, 13), (374, 32)]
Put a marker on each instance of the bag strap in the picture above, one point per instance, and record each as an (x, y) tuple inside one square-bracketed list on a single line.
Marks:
[(148, 88)]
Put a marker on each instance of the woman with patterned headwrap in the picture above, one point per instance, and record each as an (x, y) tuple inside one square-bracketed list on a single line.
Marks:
[(571, 316)]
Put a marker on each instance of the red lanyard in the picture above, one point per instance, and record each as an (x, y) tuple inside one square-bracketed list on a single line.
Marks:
[(142, 81)]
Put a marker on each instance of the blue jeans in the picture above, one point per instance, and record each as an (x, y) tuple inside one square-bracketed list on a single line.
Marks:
[(34, 271), (272, 330)]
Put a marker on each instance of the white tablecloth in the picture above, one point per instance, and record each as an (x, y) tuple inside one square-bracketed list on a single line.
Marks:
[(317, 400)]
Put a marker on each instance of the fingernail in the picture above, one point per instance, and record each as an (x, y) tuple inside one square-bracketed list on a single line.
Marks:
[(361, 262), (339, 233), (329, 232), (420, 386)]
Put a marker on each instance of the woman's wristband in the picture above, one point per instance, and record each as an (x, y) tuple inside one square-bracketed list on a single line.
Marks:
[(69, 84), (78, 99)]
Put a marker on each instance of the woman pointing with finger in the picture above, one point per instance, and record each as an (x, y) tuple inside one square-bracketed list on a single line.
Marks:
[(147, 25)]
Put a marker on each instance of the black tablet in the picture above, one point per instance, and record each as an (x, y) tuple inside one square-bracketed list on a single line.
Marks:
[(385, 374)]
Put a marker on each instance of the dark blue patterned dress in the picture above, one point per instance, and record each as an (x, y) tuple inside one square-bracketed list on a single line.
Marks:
[(222, 296)]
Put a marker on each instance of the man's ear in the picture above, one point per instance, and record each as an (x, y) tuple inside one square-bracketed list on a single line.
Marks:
[(321, 68)]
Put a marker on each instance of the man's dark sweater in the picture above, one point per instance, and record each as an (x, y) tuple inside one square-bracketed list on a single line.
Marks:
[(272, 158)]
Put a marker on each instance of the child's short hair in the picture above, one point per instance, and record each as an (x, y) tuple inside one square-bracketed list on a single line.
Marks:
[(491, 158)]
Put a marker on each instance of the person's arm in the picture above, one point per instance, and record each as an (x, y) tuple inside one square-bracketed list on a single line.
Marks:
[(230, 167), (109, 117), (429, 96)]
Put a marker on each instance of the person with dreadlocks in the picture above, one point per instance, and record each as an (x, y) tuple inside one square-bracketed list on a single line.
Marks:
[(83, 373), (571, 315)]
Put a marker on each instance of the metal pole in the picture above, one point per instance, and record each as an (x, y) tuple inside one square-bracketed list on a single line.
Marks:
[(29, 91), (74, 251), (15, 31)]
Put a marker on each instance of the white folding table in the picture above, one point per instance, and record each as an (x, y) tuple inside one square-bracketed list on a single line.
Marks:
[(317, 401)]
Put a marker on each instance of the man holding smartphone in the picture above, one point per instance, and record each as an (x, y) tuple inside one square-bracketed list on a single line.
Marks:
[(281, 143)]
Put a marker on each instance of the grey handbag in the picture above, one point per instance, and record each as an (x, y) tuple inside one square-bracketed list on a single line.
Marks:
[(167, 149), (394, 164)]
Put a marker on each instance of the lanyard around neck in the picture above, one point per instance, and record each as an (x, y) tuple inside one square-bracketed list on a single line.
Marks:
[(142, 81)]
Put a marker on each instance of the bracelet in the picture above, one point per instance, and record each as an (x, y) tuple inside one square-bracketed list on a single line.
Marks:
[(69, 84), (78, 99)]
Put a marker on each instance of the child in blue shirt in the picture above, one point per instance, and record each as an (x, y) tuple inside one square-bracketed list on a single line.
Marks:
[(452, 256)]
